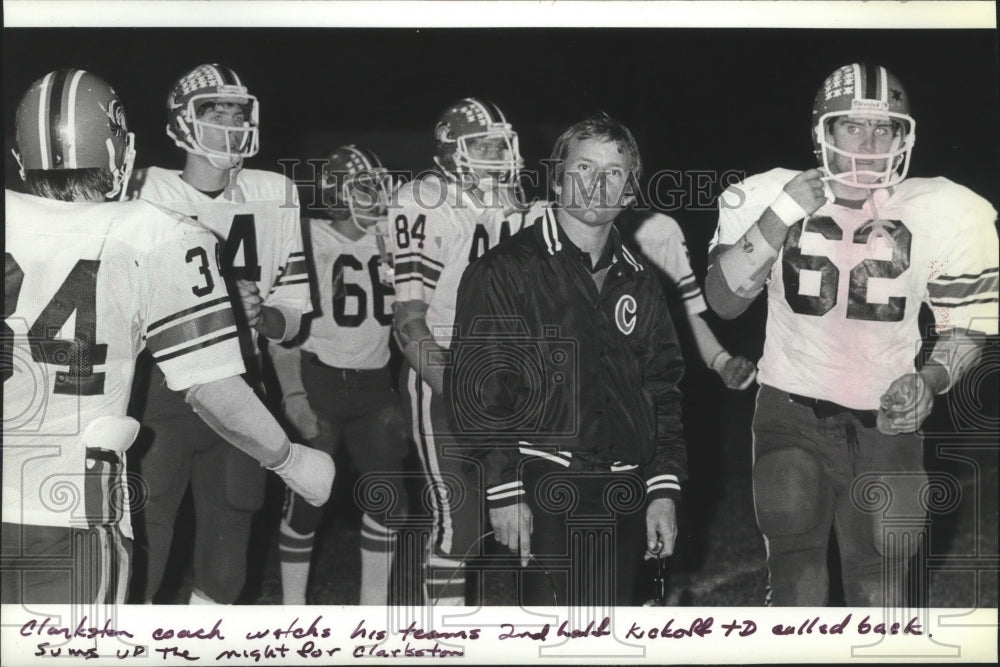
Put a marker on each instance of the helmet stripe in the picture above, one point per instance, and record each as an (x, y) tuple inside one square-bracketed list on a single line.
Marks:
[(871, 83), (70, 106), (858, 77), (883, 84), (56, 114), (43, 120), (229, 77)]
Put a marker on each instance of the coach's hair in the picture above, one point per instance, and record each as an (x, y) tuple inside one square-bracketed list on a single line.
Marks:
[(70, 184), (597, 126)]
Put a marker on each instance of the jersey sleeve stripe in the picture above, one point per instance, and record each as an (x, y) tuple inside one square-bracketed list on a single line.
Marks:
[(415, 277), (195, 347), (406, 256), (295, 268), (181, 333), (184, 313), (966, 276), (967, 302), (969, 286), (415, 267)]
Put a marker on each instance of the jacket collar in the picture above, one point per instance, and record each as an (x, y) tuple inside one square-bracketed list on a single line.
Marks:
[(554, 240)]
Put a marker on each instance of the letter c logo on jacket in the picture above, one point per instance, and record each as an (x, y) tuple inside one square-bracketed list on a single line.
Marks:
[(625, 314)]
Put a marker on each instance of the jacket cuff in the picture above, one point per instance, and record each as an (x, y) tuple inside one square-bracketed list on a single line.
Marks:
[(663, 486), (504, 495)]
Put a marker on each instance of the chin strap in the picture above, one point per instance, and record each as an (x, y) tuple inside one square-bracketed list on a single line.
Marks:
[(880, 229)]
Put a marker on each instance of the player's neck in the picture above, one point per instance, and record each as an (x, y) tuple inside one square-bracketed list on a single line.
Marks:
[(202, 175), (589, 238)]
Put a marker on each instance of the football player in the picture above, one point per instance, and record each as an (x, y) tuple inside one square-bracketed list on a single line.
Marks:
[(87, 286), (254, 214), (848, 252), (439, 224), (661, 241), (336, 384)]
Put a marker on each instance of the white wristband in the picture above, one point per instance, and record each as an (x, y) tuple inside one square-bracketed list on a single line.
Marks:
[(787, 209), (719, 363)]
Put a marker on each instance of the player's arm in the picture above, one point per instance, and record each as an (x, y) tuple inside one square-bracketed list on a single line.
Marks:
[(418, 239), (736, 371), (737, 272), (191, 332), (963, 297), (909, 399), (662, 242), (279, 313), (287, 362), (663, 368), (409, 326), (486, 307)]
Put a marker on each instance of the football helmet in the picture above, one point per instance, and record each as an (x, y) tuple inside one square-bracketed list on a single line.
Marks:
[(204, 85), (868, 91), (72, 119), (472, 136), (354, 181), (356, 184)]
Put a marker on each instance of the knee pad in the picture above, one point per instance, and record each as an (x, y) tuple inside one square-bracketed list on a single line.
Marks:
[(244, 481), (789, 492), (300, 516)]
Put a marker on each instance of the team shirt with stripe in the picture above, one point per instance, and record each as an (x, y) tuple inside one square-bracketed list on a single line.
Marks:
[(843, 300), (87, 286), (259, 202), (437, 230), (661, 241), (352, 327)]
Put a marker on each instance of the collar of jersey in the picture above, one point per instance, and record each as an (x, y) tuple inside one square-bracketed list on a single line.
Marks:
[(554, 240)]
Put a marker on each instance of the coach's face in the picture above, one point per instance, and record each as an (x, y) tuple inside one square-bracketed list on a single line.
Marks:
[(594, 178)]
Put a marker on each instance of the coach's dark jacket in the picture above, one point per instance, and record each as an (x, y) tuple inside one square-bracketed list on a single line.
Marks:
[(543, 364)]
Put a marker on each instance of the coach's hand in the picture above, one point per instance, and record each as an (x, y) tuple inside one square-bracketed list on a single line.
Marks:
[(512, 528), (808, 192), (308, 472), (906, 404), (301, 415), (661, 528), (251, 300)]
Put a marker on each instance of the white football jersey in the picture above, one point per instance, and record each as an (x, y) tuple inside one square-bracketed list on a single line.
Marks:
[(87, 286), (354, 322), (662, 242), (437, 230), (257, 221), (843, 301)]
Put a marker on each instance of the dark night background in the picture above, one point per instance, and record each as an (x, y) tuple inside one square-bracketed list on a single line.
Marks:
[(698, 100)]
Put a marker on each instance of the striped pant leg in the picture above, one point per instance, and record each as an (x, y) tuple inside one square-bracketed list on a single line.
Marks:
[(454, 496)]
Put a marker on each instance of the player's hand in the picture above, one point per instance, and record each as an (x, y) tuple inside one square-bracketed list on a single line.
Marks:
[(807, 190), (905, 405), (251, 300), (738, 373), (661, 528), (308, 472), (301, 415), (512, 528)]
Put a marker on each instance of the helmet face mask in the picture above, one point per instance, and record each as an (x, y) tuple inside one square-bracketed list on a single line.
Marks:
[(72, 119), (355, 184), (225, 145), (862, 92), (475, 140)]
